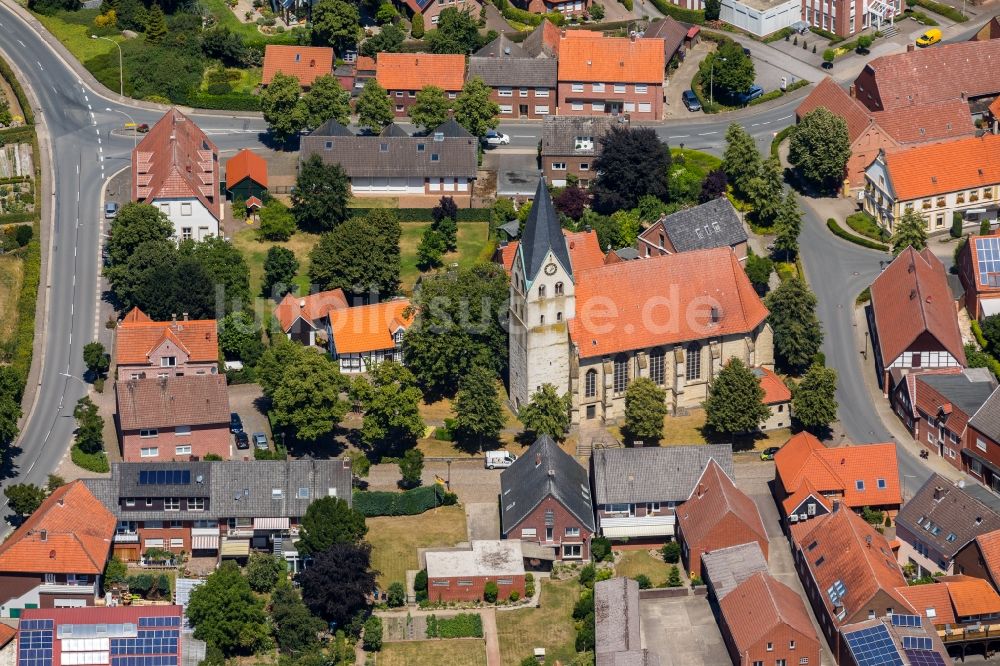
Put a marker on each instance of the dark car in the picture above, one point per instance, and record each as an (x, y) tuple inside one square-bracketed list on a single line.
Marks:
[(691, 100), (235, 423), (242, 441), (768, 453), (750, 95)]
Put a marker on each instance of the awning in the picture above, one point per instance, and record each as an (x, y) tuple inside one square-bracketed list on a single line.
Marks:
[(235, 548), (270, 523), (637, 531), (535, 551), (205, 542)]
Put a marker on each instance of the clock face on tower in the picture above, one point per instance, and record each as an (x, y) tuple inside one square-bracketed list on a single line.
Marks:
[(550, 269)]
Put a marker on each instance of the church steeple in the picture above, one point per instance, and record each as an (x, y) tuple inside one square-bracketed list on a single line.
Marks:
[(543, 234)]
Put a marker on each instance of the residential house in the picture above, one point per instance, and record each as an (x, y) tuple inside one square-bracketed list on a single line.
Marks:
[(674, 35), (777, 397), (570, 145), (893, 638), (912, 317), (637, 491), (545, 500), (101, 636), (431, 9), (847, 569), (981, 558), (954, 603), (176, 168), (307, 318), (403, 75), (940, 181), (395, 163), (717, 515), (990, 30), (56, 557), (216, 509), (724, 569), (979, 271), (568, 8), (146, 348), (541, 42), (936, 405), (610, 75), (616, 625), (462, 574), (365, 335), (760, 17), (173, 418), (522, 87), (810, 477), (8, 646), (246, 176), (765, 620), (364, 69), (305, 63), (981, 454), (712, 224), (845, 19)]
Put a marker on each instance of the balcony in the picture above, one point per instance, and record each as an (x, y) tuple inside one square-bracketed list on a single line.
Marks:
[(204, 531), (634, 526), (242, 531), (67, 588), (127, 537)]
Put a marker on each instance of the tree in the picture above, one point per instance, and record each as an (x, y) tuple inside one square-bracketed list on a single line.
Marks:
[(597, 11), (361, 256), (764, 192), (89, 426), (814, 401), (95, 358), (10, 414), (956, 225), (788, 224), (735, 401), (474, 110), (321, 194), (135, 224), (24, 498), (728, 70), (115, 571), (156, 25), (280, 267), (714, 186), (329, 521), (326, 99), (819, 149), (411, 466), (572, 202), (990, 328), (54, 482), (547, 413), (337, 585), (445, 216), (432, 247), (373, 106), (645, 408), (797, 332), (276, 222), (397, 595), (239, 337), (741, 160), (372, 639), (457, 32), (430, 108), (864, 43), (225, 267), (632, 163), (759, 270), (389, 40), (335, 23), (304, 388), (391, 403), (479, 415), (226, 614), (674, 577), (284, 112), (417, 26), (460, 324), (264, 571), (386, 14), (712, 8), (221, 43), (296, 630), (828, 57), (911, 231), (671, 552)]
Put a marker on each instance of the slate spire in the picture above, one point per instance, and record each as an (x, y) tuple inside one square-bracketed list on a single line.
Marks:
[(543, 233)]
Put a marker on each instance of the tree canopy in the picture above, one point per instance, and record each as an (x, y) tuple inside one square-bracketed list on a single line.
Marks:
[(95, 357), (645, 409), (911, 231), (24, 498), (474, 110), (633, 163), (547, 413), (326, 100), (741, 159), (296, 630), (361, 256), (225, 613), (284, 113), (797, 331), (764, 192), (479, 416), (335, 23), (814, 401), (280, 267), (819, 149), (391, 403), (322, 191), (729, 69), (373, 106), (735, 401), (89, 426), (328, 521), (457, 31), (430, 108), (337, 585)]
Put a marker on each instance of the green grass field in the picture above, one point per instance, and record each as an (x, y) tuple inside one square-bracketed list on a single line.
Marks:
[(395, 539), (255, 252), (74, 29), (550, 626), (11, 276), (635, 562), (454, 652), (472, 239)]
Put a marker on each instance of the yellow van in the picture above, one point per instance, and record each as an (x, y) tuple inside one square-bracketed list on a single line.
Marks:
[(932, 36)]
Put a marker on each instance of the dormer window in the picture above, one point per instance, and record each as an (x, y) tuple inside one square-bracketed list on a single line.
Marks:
[(583, 143), (439, 136)]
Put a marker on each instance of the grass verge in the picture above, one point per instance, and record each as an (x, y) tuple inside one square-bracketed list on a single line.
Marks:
[(467, 652), (635, 562), (840, 232), (395, 539), (11, 278), (550, 626)]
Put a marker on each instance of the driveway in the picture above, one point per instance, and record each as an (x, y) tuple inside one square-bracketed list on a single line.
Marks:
[(243, 399), (517, 172), (482, 520), (469, 479), (682, 631)]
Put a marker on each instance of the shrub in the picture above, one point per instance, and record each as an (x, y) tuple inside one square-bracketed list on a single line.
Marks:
[(866, 225), (674, 577), (515, 595), (984, 228), (409, 503), (373, 634), (600, 549), (644, 582), (587, 575), (419, 583), (115, 571), (92, 462), (671, 552), (942, 9), (529, 585), (490, 592), (956, 225), (397, 595), (584, 606), (832, 225)]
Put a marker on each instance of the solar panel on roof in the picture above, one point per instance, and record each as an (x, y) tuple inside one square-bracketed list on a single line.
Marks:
[(917, 643), (903, 620), (924, 658), (34, 643), (161, 477), (873, 647), (988, 257)]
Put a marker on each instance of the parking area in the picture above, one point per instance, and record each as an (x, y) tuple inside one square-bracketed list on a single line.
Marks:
[(243, 399), (516, 169), (483, 520), (682, 631)]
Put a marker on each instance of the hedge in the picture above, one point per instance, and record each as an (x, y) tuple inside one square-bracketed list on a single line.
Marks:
[(696, 16), (409, 503), (16, 218), (424, 214), (977, 331), (942, 9), (775, 94), (8, 74), (777, 36), (92, 462), (513, 13), (779, 137), (463, 625), (864, 242), (826, 34), (230, 102), (864, 224)]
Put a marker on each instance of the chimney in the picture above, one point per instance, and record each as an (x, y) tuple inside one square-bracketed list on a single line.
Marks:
[(185, 316), (552, 472), (302, 303), (43, 535), (910, 47), (538, 459), (853, 91), (173, 318)]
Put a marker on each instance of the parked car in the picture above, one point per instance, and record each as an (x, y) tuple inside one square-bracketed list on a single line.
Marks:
[(746, 51), (242, 441), (691, 100), (750, 95), (142, 128), (499, 458), (932, 36), (768, 453), (235, 423), (110, 210), (495, 138), (260, 441)]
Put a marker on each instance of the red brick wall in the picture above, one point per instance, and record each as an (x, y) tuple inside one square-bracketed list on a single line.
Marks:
[(730, 531), (563, 519), (455, 592), (202, 440), (573, 165), (653, 96), (166, 534), (406, 101), (531, 101), (781, 639)]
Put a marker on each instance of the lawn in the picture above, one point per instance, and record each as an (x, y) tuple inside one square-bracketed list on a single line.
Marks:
[(455, 652), (74, 29), (243, 81), (395, 539), (550, 626), (472, 239), (695, 159), (255, 252), (681, 430), (635, 562), (11, 275), (226, 18)]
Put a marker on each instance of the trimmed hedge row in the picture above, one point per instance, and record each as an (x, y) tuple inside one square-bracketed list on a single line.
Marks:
[(92, 462), (977, 331), (832, 225), (696, 16), (944, 10), (775, 94), (424, 214), (8, 74), (779, 137), (410, 503), (230, 102), (513, 13)]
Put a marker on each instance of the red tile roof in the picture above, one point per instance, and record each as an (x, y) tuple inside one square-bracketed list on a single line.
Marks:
[(633, 304), (101, 614), (971, 596), (932, 402), (7, 634), (911, 297), (305, 63), (989, 548), (939, 168), (364, 64), (589, 56), (936, 121), (775, 390), (584, 251), (138, 336), (311, 308), (805, 490), (413, 71), (931, 601), (70, 532), (995, 105), (167, 402), (176, 159), (716, 497), (246, 164), (760, 605), (367, 328), (832, 97)]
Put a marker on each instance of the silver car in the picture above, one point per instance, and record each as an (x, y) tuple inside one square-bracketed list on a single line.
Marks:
[(260, 441)]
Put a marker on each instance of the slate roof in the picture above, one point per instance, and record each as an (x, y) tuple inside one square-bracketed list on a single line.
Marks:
[(716, 497), (653, 474), (543, 41), (514, 72), (542, 234), (761, 605), (911, 297), (987, 418), (712, 224), (544, 470), (167, 402), (392, 129), (952, 397), (235, 489), (672, 33), (726, 568), (945, 516), (502, 46), (559, 134), (362, 156)]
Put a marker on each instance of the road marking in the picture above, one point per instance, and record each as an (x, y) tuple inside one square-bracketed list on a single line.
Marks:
[(706, 133), (98, 138), (785, 118), (20, 42), (679, 136), (754, 124), (766, 122), (90, 107), (40, 66)]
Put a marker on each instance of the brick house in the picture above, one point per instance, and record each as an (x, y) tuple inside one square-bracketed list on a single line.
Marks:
[(712, 224), (610, 75), (403, 75), (674, 35), (545, 500), (431, 9), (523, 87), (717, 515), (979, 271), (305, 63), (955, 602), (174, 418), (981, 453), (570, 145), (462, 574), (981, 558), (146, 348), (889, 639), (616, 625), (56, 557)]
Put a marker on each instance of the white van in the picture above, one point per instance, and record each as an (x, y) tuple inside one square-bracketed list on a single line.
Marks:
[(500, 458)]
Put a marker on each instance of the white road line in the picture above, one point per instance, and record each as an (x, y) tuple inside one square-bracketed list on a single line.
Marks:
[(766, 122), (40, 66), (679, 136), (706, 133), (754, 124), (98, 139), (785, 118), (90, 107), (101, 149), (20, 42)]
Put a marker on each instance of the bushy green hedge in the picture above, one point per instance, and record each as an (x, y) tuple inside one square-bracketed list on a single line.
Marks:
[(864, 242), (977, 331), (706, 106), (424, 214), (779, 137), (778, 36), (826, 34), (92, 462), (230, 102), (463, 625), (696, 16), (409, 503), (942, 9), (8, 74), (513, 13), (864, 224)]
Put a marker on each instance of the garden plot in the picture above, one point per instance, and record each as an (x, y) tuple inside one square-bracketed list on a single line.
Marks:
[(15, 160)]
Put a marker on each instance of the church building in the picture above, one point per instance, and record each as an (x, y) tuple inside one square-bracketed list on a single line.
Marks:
[(590, 328)]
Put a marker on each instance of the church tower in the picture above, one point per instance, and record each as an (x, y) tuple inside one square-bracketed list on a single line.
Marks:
[(542, 301)]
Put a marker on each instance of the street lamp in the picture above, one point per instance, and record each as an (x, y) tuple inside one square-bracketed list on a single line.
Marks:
[(711, 80), (121, 73), (135, 129)]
